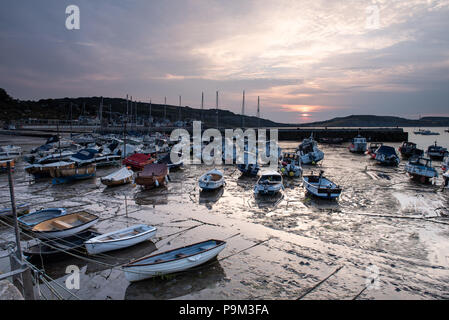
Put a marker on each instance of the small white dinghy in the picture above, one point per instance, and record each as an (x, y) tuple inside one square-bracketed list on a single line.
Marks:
[(175, 260), (122, 176), (120, 239), (211, 180)]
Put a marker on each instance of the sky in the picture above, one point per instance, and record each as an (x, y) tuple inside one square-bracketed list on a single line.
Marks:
[(308, 60)]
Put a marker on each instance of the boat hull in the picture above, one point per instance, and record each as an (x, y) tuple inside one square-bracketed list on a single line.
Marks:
[(96, 247), (140, 272)]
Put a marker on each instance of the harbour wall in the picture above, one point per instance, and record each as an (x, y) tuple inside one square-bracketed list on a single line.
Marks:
[(284, 134)]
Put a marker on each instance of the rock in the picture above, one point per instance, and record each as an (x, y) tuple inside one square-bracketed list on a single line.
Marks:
[(9, 292)]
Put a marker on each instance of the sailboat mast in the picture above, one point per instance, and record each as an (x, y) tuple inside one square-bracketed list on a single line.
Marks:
[(243, 110), (216, 110)]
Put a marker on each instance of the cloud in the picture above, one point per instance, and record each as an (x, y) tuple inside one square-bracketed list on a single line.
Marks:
[(290, 53)]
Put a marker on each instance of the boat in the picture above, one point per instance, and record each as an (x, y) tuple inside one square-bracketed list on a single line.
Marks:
[(120, 239), (308, 151), (41, 171), (358, 145), (446, 130), (4, 165), (64, 226), (211, 180), (426, 132), (64, 175), (269, 183), (290, 165), (10, 152), (409, 150), (171, 261), (373, 146), (93, 156), (152, 175), (445, 164), (22, 208), (55, 247), (138, 161), (435, 152), (249, 166), (387, 155), (321, 187), (421, 169), (120, 177), (28, 221), (171, 165)]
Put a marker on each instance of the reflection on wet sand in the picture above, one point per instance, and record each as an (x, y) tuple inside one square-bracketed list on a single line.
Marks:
[(120, 257), (153, 197), (177, 285), (208, 198), (269, 201)]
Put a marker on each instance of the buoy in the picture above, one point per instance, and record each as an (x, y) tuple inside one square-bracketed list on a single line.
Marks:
[(291, 173)]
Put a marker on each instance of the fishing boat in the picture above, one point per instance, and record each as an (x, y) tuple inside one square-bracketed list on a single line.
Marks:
[(358, 145), (387, 156), (64, 226), (308, 151), (171, 261), (373, 146), (409, 150), (93, 156), (269, 183), (435, 152), (321, 187), (55, 247), (117, 178), (249, 166), (152, 175), (64, 175), (22, 208), (211, 180), (445, 164), (138, 161), (421, 169), (41, 171), (28, 221), (120, 239), (290, 165), (4, 165), (10, 152)]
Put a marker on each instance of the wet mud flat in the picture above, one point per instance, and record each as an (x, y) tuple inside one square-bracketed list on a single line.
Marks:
[(384, 227)]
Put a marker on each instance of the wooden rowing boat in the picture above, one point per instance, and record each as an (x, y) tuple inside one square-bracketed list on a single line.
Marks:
[(36, 217), (64, 226), (120, 239), (175, 260)]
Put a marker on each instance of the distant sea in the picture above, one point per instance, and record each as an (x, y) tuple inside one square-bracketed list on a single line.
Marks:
[(422, 141)]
